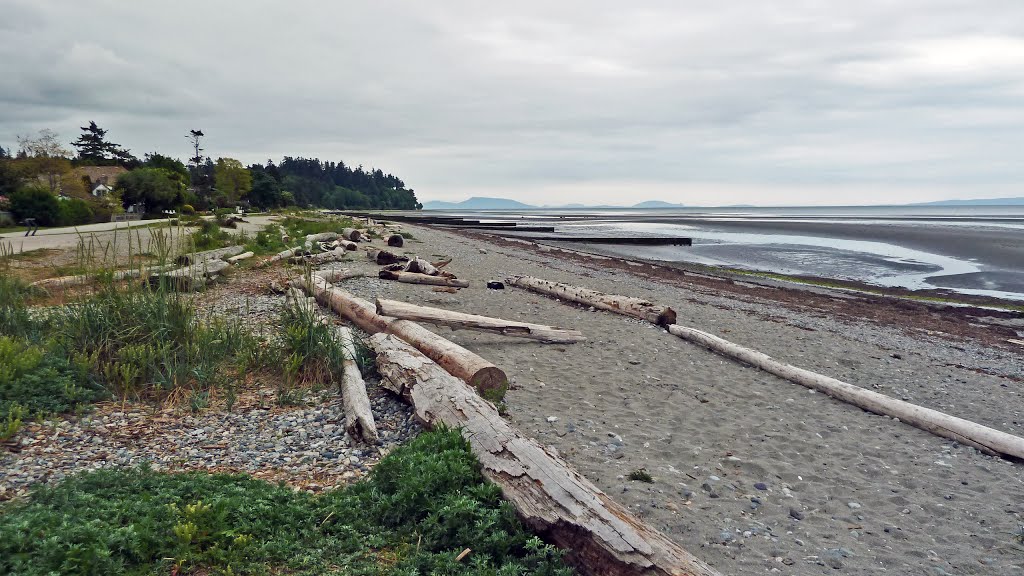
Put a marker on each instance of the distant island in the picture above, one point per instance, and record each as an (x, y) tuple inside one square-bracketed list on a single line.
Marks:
[(1018, 201), (485, 203)]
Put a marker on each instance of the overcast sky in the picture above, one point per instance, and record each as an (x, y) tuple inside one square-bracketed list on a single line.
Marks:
[(775, 103)]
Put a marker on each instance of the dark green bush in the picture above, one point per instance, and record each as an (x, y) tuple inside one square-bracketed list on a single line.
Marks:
[(74, 212), (35, 201)]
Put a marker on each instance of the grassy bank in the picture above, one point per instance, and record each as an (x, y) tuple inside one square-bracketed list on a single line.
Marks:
[(415, 514)]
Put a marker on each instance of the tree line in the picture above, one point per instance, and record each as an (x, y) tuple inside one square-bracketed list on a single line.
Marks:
[(44, 180)]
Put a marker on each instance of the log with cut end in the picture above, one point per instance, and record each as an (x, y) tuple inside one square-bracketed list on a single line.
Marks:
[(359, 421), (490, 380), (384, 257), (396, 240), (601, 536), (288, 253), (215, 254), (966, 432), (421, 266), (191, 277), (635, 307), (416, 278), (348, 245), (321, 237), (240, 257), (351, 234), (457, 320)]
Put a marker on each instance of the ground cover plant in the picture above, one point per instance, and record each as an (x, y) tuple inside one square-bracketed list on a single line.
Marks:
[(420, 507)]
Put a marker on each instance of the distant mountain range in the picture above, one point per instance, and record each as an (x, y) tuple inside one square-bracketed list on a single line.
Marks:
[(976, 202), (484, 203)]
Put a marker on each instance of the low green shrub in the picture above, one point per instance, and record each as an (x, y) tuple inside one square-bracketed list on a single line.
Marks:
[(42, 379), (419, 508)]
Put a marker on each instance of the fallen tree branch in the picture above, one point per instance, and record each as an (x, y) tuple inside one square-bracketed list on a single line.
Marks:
[(456, 320), (966, 432), (240, 257), (215, 254), (635, 307), (417, 278), (601, 537), (490, 380)]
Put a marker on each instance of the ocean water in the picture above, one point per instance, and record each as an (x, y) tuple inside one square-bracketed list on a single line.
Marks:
[(968, 249)]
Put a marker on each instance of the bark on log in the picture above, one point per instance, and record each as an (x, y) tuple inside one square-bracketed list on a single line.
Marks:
[(199, 257), (601, 536), (421, 266), (635, 307), (415, 278), (490, 380), (240, 257), (396, 240), (359, 421), (456, 320), (81, 279), (383, 257), (986, 439), (351, 234), (349, 245), (191, 277)]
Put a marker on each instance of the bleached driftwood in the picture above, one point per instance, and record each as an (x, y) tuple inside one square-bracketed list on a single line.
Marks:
[(601, 537), (338, 274), (635, 307), (359, 421), (456, 320), (240, 257), (348, 245), (416, 278), (396, 240), (421, 266), (321, 237), (351, 234), (81, 279), (384, 257), (215, 254), (192, 277), (964, 431), (288, 253), (481, 374), (321, 258)]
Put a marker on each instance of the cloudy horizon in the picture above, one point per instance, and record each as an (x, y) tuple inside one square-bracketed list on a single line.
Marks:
[(768, 103)]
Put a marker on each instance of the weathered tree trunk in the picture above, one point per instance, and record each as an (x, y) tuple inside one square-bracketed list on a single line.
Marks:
[(324, 257), (416, 278), (321, 237), (457, 320), (351, 234), (359, 421), (636, 307), (396, 240), (481, 374), (81, 279), (240, 257), (383, 257), (349, 245), (421, 266), (282, 255), (964, 431), (338, 274), (191, 277), (601, 536), (199, 257)]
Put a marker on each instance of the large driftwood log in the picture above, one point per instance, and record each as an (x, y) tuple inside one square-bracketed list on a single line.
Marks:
[(199, 257), (338, 274), (81, 279), (417, 278), (421, 266), (323, 257), (601, 536), (348, 245), (359, 421), (481, 374), (966, 432), (288, 253), (321, 237), (457, 320), (383, 257), (351, 234), (636, 307), (191, 277), (396, 240)]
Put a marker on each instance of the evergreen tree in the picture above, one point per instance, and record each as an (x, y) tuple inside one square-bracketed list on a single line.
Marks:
[(93, 148)]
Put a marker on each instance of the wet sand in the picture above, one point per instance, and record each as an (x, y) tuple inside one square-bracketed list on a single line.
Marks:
[(753, 473)]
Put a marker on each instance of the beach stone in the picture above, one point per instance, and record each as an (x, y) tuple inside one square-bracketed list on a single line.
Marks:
[(726, 536), (796, 514), (853, 505), (761, 486)]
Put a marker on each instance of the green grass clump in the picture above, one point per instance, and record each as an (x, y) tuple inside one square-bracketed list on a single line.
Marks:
[(418, 509), (42, 379), (210, 236), (641, 475)]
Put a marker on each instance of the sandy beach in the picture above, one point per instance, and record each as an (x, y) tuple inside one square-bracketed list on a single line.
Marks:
[(752, 473)]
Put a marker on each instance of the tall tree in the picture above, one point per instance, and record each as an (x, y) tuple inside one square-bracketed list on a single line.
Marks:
[(93, 148), (232, 179), (46, 155)]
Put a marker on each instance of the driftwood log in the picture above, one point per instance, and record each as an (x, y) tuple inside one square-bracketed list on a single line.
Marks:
[(240, 257), (601, 536), (81, 279), (359, 421), (348, 245), (635, 307), (216, 254), (396, 240), (191, 277), (351, 234), (338, 274), (288, 253), (323, 257), (311, 239), (421, 266), (966, 432), (417, 278), (383, 257), (456, 320), (490, 380)]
